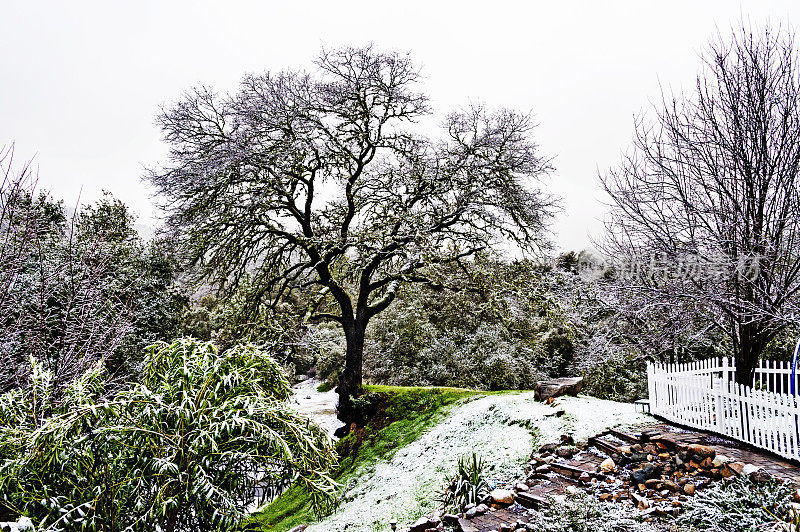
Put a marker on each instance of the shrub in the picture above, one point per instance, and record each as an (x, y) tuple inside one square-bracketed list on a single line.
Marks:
[(185, 449), (620, 377), (584, 513), (737, 505)]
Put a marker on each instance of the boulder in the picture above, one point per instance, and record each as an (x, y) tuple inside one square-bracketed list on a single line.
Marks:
[(450, 519), (703, 451), (501, 496), (545, 390), (759, 477), (548, 448), (749, 469)]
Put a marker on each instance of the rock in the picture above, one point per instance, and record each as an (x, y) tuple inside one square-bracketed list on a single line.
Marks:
[(736, 467), (585, 477), (571, 490), (607, 465), (567, 439), (501, 496), (648, 471), (566, 452), (548, 448), (481, 509), (759, 477), (521, 486), (689, 488), (653, 483), (450, 519), (748, 469), (422, 524), (707, 463), (796, 495), (703, 451), (672, 486), (720, 460), (472, 512), (545, 390), (542, 469), (641, 502), (465, 526), (650, 449)]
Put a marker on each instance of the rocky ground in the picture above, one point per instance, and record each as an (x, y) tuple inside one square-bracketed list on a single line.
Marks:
[(650, 473)]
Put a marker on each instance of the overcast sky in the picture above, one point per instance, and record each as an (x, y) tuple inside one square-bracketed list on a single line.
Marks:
[(82, 81)]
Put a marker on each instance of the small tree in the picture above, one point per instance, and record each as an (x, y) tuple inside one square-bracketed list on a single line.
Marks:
[(710, 197), (77, 289), (304, 180)]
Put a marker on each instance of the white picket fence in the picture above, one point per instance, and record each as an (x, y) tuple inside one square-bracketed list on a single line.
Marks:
[(704, 395)]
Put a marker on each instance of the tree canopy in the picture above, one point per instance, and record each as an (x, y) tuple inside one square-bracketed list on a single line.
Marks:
[(320, 180)]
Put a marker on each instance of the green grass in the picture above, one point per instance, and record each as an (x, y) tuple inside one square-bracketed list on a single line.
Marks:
[(325, 387), (398, 416)]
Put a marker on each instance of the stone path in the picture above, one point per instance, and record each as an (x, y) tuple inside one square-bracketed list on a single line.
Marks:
[(775, 466), (590, 460)]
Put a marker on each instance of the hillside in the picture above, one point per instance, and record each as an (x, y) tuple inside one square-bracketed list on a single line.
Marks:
[(403, 482)]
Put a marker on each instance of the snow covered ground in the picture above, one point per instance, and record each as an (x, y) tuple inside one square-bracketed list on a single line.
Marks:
[(502, 429), (319, 406)]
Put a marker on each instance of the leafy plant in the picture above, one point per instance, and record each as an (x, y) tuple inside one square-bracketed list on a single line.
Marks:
[(188, 448), (467, 486)]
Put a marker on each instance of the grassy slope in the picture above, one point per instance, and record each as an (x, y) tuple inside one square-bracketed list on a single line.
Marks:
[(399, 416)]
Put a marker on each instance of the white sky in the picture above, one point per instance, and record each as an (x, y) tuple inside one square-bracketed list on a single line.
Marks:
[(81, 81)]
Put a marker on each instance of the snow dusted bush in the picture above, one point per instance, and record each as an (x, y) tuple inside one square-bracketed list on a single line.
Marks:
[(737, 505), (584, 513), (187, 448)]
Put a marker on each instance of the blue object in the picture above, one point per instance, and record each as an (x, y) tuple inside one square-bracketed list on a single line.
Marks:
[(794, 369)]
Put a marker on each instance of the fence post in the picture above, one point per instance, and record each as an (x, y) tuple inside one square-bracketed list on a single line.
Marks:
[(718, 406), (651, 387)]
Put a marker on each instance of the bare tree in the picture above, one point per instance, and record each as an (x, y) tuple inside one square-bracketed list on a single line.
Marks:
[(53, 302), (710, 196), (318, 180)]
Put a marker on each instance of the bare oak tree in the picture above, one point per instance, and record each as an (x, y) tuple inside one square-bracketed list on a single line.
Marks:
[(318, 180), (713, 183)]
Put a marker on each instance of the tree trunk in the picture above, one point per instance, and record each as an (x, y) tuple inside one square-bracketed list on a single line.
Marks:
[(750, 347), (350, 381)]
